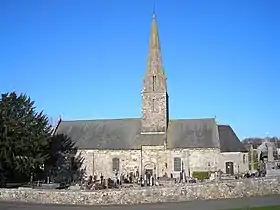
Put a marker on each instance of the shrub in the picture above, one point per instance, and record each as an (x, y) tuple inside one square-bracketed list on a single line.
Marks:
[(201, 175)]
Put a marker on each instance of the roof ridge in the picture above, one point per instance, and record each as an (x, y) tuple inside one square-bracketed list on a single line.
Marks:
[(88, 120), (182, 119)]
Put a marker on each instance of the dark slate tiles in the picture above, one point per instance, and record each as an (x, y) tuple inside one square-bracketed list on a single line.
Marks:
[(126, 134), (229, 141)]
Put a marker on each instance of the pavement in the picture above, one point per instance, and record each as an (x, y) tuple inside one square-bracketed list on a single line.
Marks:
[(194, 205)]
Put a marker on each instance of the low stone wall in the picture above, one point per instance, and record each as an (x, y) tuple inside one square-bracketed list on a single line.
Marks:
[(217, 190)]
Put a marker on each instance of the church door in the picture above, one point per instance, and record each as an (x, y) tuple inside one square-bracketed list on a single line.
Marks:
[(149, 172), (229, 168)]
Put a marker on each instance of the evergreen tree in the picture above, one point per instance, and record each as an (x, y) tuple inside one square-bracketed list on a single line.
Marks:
[(24, 136), (64, 163)]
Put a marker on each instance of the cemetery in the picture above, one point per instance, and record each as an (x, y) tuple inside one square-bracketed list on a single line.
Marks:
[(216, 162), (130, 190), (135, 188)]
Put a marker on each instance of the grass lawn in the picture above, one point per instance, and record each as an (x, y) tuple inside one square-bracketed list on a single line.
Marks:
[(260, 208)]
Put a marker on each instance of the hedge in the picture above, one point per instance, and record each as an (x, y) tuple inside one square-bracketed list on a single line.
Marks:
[(201, 175)]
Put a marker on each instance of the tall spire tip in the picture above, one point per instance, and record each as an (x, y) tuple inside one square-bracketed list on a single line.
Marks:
[(154, 11)]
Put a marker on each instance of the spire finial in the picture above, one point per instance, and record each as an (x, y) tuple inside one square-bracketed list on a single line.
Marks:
[(154, 11)]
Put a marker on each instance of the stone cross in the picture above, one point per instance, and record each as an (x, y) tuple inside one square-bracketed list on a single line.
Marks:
[(184, 176), (252, 157), (270, 157)]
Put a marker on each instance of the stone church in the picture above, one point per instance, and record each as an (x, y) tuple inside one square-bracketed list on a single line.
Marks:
[(154, 142)]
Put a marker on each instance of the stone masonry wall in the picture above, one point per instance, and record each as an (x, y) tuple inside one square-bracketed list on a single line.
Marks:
[(218, 190), (154, 112), (240, 160), (130, 161), (88, 162), (100, 161), (192, 159)]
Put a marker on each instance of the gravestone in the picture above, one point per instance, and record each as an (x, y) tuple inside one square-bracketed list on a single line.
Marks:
[(270, 149), (49, 186), (75, 187), (266, 157)]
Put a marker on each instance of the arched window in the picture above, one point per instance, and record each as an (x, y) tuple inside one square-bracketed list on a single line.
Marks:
[(153, 105), (154, 82), (177, 164), (116, 164), (244, 159)]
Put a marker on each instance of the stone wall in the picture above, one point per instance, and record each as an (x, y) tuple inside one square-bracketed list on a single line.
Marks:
[(130, 161), (240, 160), (88, 162), (218, 190), (154, 112), (160, 159)]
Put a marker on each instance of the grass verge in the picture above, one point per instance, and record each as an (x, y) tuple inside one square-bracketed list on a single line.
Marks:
[(260, 208)]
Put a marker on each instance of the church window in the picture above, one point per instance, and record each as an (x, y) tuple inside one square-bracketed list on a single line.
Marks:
[(154, 82), (177, 164), (244, 159), (153, 105), (116, 164)]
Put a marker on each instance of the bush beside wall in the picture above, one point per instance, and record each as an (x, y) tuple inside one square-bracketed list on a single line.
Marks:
[(201, 175)]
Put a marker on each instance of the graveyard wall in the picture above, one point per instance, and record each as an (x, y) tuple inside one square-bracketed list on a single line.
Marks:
[(214, 190)]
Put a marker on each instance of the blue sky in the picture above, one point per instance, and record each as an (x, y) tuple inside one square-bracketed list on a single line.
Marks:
[(86, 59)]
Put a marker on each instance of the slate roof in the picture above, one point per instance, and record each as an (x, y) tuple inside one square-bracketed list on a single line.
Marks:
[(126, 134), (102, 134), (193, 133), (229, 141)]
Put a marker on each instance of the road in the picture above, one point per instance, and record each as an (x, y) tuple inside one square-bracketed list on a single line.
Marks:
[(195, 205)]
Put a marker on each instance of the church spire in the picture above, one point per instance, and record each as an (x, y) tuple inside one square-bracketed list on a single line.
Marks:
[(154, 92), (154, 38), (154, 62)]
